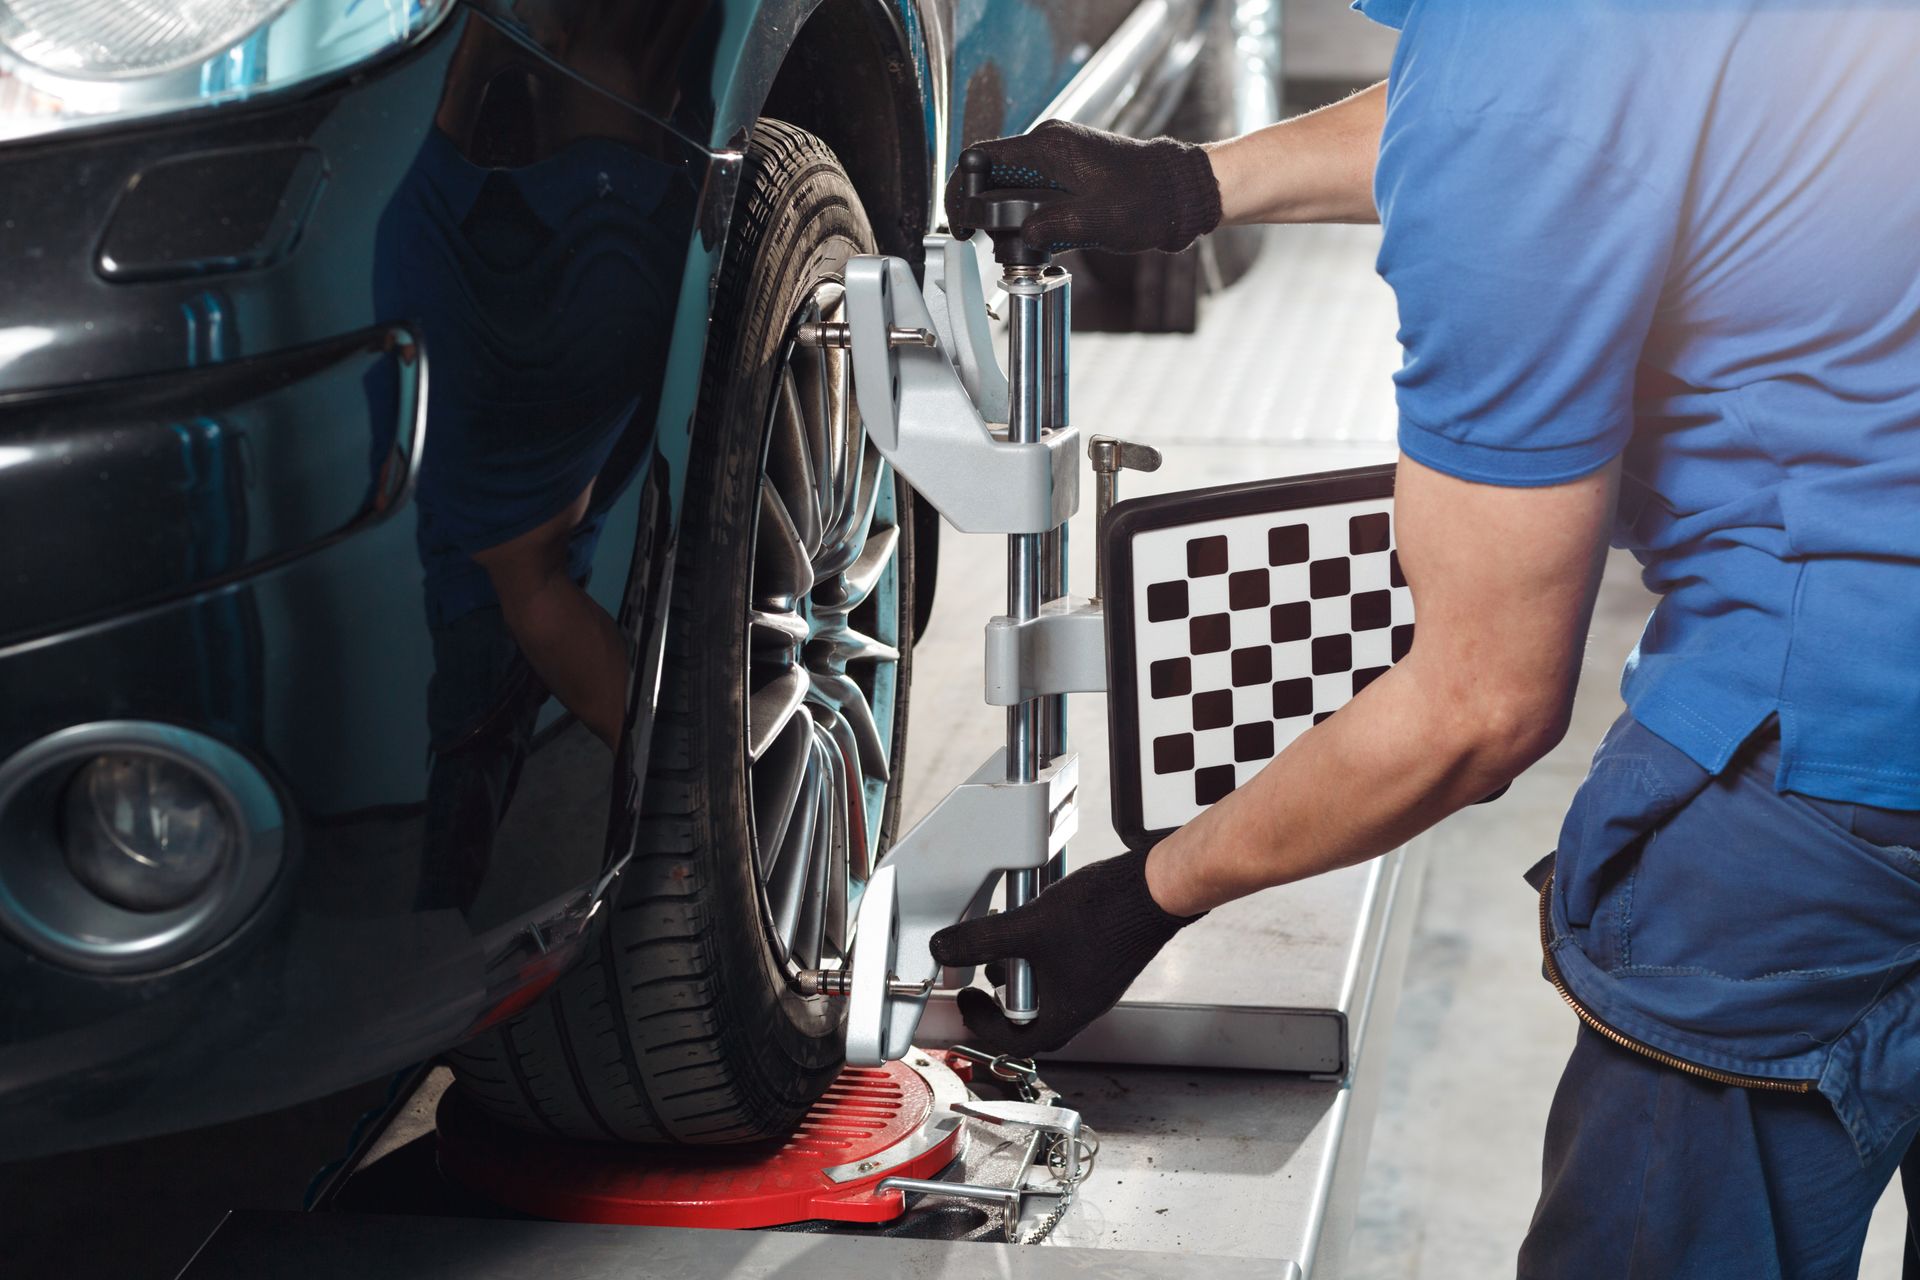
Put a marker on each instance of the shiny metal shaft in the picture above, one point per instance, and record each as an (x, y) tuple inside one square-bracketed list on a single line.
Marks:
[(1056, 317), (1029, 399)]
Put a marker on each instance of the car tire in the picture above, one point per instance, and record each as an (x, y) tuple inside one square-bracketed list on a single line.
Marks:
[(685, 1023)]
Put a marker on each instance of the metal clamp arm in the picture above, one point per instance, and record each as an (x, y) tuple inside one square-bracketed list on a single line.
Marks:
[(1063, 650), (936, 871), (918, 413), (957, 300), (1033, 1115)]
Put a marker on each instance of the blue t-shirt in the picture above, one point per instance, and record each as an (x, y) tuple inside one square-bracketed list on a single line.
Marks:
[(1687, 232)]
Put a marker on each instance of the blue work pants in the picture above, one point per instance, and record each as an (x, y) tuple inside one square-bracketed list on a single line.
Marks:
[(1672, 888), (1651, 1174)]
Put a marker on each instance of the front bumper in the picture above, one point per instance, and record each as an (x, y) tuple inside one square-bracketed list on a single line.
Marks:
[(212, 515)]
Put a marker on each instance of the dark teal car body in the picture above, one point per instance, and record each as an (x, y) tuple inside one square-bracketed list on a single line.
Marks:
[(231, 471)]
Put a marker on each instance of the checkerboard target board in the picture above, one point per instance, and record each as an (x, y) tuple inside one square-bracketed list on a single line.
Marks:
[(1238, 618)]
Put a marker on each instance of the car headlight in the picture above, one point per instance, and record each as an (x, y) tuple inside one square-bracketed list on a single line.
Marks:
[(114, 38), (75, 62)]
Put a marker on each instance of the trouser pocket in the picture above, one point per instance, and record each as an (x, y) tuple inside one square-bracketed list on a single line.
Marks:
[(1752, 885), (1634, 786), (1757, 916)]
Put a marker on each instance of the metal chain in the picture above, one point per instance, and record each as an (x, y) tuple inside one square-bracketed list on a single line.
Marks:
[(1045, 1228), (1056, 1165), (1025, 1076)]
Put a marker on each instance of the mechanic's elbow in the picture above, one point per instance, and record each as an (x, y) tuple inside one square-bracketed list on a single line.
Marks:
[(1512, 732)]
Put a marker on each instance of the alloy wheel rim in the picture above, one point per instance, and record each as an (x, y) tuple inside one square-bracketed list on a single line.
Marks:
[(823, 633)]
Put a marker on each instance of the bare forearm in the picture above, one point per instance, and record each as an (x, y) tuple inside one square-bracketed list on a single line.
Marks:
[(1312, 168), (1394, 762), (1503, 581)]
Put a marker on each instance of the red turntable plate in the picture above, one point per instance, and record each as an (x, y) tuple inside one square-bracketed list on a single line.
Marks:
[(874, 1123)]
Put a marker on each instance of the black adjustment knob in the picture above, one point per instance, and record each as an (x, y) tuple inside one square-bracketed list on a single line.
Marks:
[(1000, 211)]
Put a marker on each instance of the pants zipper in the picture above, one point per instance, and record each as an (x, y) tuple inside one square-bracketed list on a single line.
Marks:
[(1625, 1041)]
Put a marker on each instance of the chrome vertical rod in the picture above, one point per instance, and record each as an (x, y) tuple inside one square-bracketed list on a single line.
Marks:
[(1029, 397), (1056, 315)]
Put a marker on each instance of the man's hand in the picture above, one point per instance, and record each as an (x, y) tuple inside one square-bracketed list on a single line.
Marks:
[(1126, 195), (1087, 938)]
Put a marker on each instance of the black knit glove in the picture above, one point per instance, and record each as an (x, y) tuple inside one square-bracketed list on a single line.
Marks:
[(1087, 938), (1126, 195)]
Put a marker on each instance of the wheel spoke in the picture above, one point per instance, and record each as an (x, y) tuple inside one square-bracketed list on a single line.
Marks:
[(845, 436), (859, 843), (782, 569), (833, 899), (846, 698), (860, 647), (846, 429), (851, 589), (777, 779), (790, 464), (771, 631), (838, 892), (808, 374), (787, 885), (847, 538), (829, 837), (772, 706), (831, 457), (844, 645)]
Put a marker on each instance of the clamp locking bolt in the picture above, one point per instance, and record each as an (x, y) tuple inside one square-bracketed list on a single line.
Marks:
[(1110, 457), (838, 983), (839, 334)]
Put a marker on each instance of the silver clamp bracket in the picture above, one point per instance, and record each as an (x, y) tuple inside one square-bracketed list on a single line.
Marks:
[(919, 402), (924, 373), (1053, 1131), (958, 303), (1037, 1116), (923, 887), (1063, 650)]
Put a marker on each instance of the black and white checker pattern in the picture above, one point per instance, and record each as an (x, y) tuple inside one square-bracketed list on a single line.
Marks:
[(1246, 631)]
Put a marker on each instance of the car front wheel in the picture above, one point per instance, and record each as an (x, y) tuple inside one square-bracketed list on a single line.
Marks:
[(775, 771)]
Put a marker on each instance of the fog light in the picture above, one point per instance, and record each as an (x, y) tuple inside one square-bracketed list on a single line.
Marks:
[(129, 846), (144, 832)]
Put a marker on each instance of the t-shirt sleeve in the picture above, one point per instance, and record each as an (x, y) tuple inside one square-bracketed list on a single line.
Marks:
[(1528, 267), (1388, 13)]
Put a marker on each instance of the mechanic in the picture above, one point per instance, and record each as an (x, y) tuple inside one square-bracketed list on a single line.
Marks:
[(1658, 274)]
